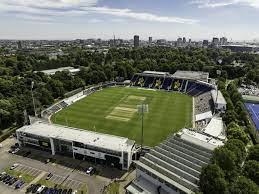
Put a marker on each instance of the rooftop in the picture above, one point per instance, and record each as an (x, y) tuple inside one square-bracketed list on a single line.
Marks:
[(200, 139), (203, 116), (217, 97), (110, 142), (156, 72), (53, 71), (215, 128), (195, 75)]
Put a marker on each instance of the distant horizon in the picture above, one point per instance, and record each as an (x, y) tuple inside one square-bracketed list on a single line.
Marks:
[(77, 19), (141, 39)]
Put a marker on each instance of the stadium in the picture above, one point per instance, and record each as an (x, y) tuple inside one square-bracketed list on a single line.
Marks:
[(112, 108), (103, 123)]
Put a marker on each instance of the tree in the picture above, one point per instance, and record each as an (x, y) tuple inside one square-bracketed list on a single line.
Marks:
[(254, 153), (242, 185), (238, 148), (212, 180), (237, 133), (226, 160), (251, 170)]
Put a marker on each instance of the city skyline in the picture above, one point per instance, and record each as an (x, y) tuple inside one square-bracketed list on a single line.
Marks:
[(170, 19)]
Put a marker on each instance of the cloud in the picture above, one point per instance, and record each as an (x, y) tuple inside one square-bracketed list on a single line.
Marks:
[(221, 3), (71, 8)]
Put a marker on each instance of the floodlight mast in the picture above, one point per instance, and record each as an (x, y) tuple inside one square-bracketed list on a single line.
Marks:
[(142, 126), (32, 84), (142, 109)]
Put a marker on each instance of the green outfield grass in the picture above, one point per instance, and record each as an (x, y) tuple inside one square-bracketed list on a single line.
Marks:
[(114, 111)]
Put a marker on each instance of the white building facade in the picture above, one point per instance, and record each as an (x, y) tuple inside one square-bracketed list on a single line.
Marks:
[(79, 144)]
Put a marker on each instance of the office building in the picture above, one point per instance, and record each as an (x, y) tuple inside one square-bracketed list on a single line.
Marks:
[(136, 41), (150, 40), (80, 144)]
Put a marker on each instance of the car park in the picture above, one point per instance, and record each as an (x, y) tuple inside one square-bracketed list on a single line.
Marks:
[(14, 166)]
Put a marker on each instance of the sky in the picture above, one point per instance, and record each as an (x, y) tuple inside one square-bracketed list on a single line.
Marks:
[(237, 20)]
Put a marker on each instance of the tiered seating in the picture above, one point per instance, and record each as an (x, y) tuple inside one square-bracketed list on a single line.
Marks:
[(140, 81), (196, 89), (134, 79), (54, 108), (148, 82), (157, 84), (191, 87), (177, 159), (176, 85), (203, 103), (63, 104), (167, 83)]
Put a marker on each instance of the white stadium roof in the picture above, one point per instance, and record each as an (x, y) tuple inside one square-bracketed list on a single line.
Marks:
[(203, 116), (217, 97), (200, 139), (195, 75), (83, 136), (215, 127)]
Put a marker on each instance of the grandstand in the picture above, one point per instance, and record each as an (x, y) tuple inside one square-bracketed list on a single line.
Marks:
[(186, 84), (174, 166), (203, 103)]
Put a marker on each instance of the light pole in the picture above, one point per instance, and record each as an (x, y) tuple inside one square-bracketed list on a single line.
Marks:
[(143, 108), (32, 84)]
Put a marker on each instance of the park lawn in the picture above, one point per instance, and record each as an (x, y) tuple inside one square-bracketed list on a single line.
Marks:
[(114, 111)]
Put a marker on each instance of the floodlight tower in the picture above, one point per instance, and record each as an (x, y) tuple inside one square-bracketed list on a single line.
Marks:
[(32, 84), (143, 108)]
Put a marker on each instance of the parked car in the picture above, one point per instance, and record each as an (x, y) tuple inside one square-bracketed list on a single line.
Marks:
[(40, 188), (49, 176), (90, 170), (35, 189), (30, 188), (47, 161), (2, 174), (26, 154), (60, 191), (6, 181), (44, 191), (14, 166), (74, 192), (19, 184), (12, 181), (3, 177), (64, 191), (69, 191)]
